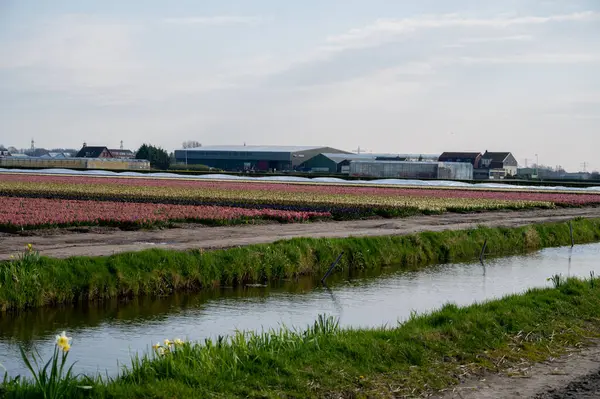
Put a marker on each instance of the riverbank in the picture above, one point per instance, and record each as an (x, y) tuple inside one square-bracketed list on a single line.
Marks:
[(426, 354), (34, 281)]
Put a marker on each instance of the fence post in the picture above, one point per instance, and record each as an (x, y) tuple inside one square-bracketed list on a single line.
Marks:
[(333, 265), (571, 231), (481, 255)]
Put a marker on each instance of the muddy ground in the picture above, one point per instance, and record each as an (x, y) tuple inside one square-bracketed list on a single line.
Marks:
[(61, 243), (573, 376)]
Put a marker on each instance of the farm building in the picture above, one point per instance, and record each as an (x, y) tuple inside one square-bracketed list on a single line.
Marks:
[(104, 152), (254, 158), (497, 165), (340, 163), (74, 163), (56, 155), (474, 158), (412, 170)]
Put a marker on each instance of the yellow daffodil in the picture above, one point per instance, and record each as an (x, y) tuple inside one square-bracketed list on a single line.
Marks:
[(178, 342), (156, 345), (66, 347), (167, 342), (161, 351), (29, 247), (62, 340)]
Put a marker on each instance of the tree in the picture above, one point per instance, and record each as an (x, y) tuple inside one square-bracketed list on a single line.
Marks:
[(159, 158), (191, 144)]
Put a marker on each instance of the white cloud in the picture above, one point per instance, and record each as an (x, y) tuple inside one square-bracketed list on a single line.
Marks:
[(385, 30), (95, 58), (497, 39), (531, 58), (223, 20)]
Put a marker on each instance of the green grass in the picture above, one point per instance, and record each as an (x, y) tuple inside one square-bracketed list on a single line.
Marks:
[(45, 281), (427, 353)]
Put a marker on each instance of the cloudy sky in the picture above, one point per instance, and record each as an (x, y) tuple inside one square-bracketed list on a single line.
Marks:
[(386, 75)]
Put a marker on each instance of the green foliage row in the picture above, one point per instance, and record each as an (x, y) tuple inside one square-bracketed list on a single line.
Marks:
[(159, 158), (40, 281)]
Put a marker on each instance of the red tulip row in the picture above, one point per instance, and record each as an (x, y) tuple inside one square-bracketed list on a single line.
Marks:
[(514, 194), (19, 213)]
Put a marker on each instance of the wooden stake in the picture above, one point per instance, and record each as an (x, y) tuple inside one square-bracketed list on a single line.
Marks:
[(483, 251), (571, 230), (333, 265)]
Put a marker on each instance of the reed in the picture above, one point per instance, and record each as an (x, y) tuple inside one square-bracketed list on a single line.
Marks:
[(34, 281)]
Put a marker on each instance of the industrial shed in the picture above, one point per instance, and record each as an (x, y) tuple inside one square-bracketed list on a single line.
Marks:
[(340, 163), (412, 170), (333, 163), (251, 158)]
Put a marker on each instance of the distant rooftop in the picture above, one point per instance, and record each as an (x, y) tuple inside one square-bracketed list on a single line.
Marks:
[(464, 155), (371, 156), (496, 156), (255, 148)]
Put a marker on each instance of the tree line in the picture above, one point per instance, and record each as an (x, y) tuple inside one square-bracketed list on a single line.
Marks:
[(159, 158)]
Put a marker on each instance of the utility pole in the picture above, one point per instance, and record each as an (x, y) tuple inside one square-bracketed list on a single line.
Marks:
[(537, 166), (584, 165)]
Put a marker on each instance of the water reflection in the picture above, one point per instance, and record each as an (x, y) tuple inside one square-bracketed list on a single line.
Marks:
[(109, 332)]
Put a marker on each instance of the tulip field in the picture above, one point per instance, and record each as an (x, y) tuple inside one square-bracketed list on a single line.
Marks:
[(35, 201), (39, 212)]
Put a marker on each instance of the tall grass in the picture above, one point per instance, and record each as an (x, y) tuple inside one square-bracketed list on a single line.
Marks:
[(427, 352), (40, 281)]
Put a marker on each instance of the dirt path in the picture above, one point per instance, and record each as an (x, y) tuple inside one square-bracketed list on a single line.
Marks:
[(576, 376), (103, 242)]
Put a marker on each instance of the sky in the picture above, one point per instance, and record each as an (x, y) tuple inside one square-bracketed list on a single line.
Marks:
[(384, 75)]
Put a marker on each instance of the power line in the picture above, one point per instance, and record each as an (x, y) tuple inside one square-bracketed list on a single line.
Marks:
[(585, 165)]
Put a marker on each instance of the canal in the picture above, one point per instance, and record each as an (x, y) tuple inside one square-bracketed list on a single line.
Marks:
[(106, 335)]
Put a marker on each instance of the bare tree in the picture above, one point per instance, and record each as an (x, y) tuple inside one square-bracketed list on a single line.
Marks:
[(191, 144)]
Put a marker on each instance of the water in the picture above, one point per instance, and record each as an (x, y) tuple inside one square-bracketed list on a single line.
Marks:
[(106, 335)]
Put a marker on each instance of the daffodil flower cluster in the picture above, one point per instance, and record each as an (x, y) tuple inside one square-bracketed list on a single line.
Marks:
[(168, 346), (63, 342)]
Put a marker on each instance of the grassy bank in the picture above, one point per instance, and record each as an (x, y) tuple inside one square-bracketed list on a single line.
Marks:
[(427, 353), (34, 281)]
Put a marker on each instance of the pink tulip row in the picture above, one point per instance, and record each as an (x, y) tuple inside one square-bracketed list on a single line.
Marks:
[(30, 212), (555, 197)]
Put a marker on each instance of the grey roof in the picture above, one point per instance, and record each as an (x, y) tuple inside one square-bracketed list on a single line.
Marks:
[(345, 157), (254, 148), (372, 156), (463, 155), (120, 151), (496, 156), (93, 151), (406, 162)]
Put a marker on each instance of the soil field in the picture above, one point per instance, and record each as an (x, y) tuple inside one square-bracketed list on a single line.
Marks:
[(62, 243)]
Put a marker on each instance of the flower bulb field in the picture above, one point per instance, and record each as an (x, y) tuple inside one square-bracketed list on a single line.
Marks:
[(40, 201)]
